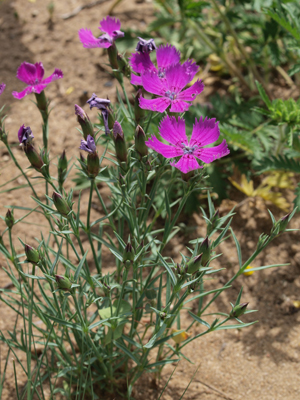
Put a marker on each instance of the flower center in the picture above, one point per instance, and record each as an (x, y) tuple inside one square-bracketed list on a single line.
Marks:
[(189, 150), (161, 73), (171, 95)]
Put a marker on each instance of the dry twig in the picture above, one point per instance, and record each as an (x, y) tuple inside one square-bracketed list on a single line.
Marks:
[(78, 9)]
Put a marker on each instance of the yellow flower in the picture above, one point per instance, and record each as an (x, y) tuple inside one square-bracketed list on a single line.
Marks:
[(249, 272), (181, 337)]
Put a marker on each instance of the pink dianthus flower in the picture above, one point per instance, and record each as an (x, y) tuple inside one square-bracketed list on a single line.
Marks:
[(166, 56), (205, 132), (110, 26), (33, 74), (170, 89)]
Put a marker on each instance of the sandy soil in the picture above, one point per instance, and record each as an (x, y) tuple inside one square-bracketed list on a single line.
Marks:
[(259, 362)]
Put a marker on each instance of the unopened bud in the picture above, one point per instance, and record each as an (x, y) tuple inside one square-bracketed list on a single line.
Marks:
[(205, 250), (32, 254), (283, 222), (84, 121), (63, 282), (140, 139), (194, 264), (62, 167), (120, 144), (129, 253), (9, 219), (61, 204), (238, 310)]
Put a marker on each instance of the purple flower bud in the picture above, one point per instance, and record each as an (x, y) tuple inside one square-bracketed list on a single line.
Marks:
[(145, 46), (88, 145), (120, 144), (63, 282), (61, 204), (2, 87), (194, 264), (32, 254), (25, 135), (85, 123), (238, 310), (103, 106), (140, 139), (128, 254), (9, 219)]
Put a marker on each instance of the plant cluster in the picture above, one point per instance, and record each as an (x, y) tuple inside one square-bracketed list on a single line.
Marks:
[(101, 330)]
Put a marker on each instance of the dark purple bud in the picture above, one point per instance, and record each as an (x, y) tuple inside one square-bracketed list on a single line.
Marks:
[(145, 46), (61, 204), (31, 254), (88, 145), (128, 254), (25, 135), (120, 144), (85, 123), (9, 219), (238, 310), (140, 139), (63, 282), (205, 249), (283, 222), (194, 264)]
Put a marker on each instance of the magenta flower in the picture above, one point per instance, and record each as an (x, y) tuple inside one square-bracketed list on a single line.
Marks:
[(205, 132), (33, 74), (2, 87), (169, 90), (110, 26), (166, 56)]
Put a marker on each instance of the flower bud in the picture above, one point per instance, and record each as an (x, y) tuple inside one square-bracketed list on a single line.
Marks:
[(120, 144), (129, 253), (140, 139), (32, 254), (238, 310), (62, 168), (194, 264), (139, 113), (84, 121), (283, 222), (61, 204), (63, 282), (9, 219), (205, 250)]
